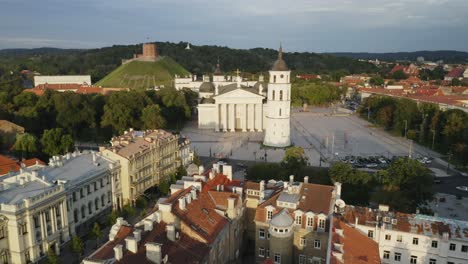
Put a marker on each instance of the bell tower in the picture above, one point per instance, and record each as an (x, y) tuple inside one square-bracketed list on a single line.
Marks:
[(277, 120)]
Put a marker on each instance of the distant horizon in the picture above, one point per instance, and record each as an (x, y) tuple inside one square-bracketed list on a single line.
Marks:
[(215, 45)]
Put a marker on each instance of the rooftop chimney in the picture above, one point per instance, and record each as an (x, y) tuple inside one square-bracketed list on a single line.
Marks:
[(118, 252), (153, 252), (262, 185), (194, 194), (227, 170), (291, 179), (231, 211), (137, 235), (285, 186), (182, 203), (132, 244), (148, 224), (171, 233), (188, 197), (338, 189), (306, 179)]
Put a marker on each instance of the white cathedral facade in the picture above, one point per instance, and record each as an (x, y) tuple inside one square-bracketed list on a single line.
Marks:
[(229, 104)]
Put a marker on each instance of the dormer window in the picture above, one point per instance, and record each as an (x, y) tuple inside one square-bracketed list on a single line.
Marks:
[(298, 220), (269, 214), (310, 221)]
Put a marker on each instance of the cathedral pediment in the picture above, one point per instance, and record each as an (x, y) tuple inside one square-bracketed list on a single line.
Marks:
[(238, 93)]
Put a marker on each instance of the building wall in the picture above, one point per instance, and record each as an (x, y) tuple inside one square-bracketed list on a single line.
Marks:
[(207, 116), (64, 79)]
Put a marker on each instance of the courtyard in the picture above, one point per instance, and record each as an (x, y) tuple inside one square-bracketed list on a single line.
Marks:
[(322, 133)]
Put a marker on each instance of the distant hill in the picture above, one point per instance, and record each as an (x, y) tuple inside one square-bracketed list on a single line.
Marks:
[(448, 56), (143, 74), (37, 51)]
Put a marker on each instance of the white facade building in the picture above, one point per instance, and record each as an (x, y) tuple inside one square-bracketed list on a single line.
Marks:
[(412, 238), (62, 79), (249, 106), (40, 209)]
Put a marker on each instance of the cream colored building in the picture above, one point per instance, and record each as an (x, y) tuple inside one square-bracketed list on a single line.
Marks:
[(62, 79), (293, 221), (38, 208), (146, 158)]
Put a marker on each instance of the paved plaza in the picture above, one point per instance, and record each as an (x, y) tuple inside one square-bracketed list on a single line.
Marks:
[(320, 132)]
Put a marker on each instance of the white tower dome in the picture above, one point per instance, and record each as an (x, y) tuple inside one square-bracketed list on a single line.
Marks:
[(277, 119)]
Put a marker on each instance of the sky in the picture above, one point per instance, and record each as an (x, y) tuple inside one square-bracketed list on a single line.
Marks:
[(300, 25)]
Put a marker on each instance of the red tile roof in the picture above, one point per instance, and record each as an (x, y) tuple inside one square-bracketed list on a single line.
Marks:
[(9, 165), (456, 73), (183, 250), (357, 247)]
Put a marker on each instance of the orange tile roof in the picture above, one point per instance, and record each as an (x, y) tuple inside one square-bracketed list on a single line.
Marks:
[(9, 165), (357, 247)]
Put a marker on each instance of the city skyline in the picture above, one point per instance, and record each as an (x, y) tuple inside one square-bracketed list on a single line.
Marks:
[(318, 26)]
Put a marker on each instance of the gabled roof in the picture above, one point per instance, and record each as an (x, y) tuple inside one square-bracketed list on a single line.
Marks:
[(353, 246), (232, 89)]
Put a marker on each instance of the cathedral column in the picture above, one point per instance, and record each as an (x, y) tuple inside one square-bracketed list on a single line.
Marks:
[(232, 117), (251, 117), (258, 117), (43, 225), (53, 221), (244, 117), (217, 118), (224, 116)]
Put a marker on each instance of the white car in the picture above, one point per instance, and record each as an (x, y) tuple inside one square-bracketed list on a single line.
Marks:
[(462, 188)]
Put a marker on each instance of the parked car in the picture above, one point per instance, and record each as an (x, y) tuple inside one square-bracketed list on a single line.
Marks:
[(437, 181), (462, 188)]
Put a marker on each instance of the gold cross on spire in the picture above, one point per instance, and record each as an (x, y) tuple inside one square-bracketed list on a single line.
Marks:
[(238, 72)]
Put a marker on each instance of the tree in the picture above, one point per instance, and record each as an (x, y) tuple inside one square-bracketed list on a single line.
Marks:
[(377, 81), (196, 159), (25, 99), (294, 160), (77, 246), (399, 75), (406, 184), (356, 184), (52, 257), (152, 117), (25, 145), (96, 232), (181, 172), (55, 142)]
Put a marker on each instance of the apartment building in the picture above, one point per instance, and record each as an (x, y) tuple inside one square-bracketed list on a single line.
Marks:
[(202, 223), (412, 238), (146, 158), (41, 208), (293, 224)]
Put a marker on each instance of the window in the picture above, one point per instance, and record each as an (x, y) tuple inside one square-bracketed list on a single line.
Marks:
[(388, 237), (370, 233), (280, 112), (277, 258), (399, 238), (450, 262), (298, 219), (74, 196), (432, 261), (397, 256), (269, 214), (302, 241), (274, 80), (27, 256), (452, 247), (4, 257), (386, 254), (267, 253), (464, 248), (81, 193), (261, 252), (36, 221), (103, 200), (83, 211), (2, 232), (23, 228), (274, 92), (317, 244), (321, 223), (281, 94), (310, 221), (261, 233), (96, 204), (434, 244), (268, 235), (302, 259), (90, 208), (415, 241), (413, 260), (314, 261), (88, 188), (75, 215)]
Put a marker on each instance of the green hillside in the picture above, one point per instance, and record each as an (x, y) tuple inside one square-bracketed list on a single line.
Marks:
[(143, 74)]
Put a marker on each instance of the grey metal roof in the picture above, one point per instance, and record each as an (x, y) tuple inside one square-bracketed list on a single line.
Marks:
[(289, 197), (282, 219)]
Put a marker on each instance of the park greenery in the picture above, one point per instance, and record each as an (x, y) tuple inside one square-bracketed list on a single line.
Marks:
[(424, 123), (314, 93), (55, 120), (198, 60)]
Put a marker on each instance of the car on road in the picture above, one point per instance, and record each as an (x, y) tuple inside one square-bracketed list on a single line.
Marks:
[(462, 188), (437, 181)]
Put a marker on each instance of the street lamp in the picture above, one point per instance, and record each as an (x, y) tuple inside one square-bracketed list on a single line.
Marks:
[(406, 127)]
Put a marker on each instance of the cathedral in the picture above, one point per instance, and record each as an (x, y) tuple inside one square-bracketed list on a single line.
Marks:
[(229, 104)]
